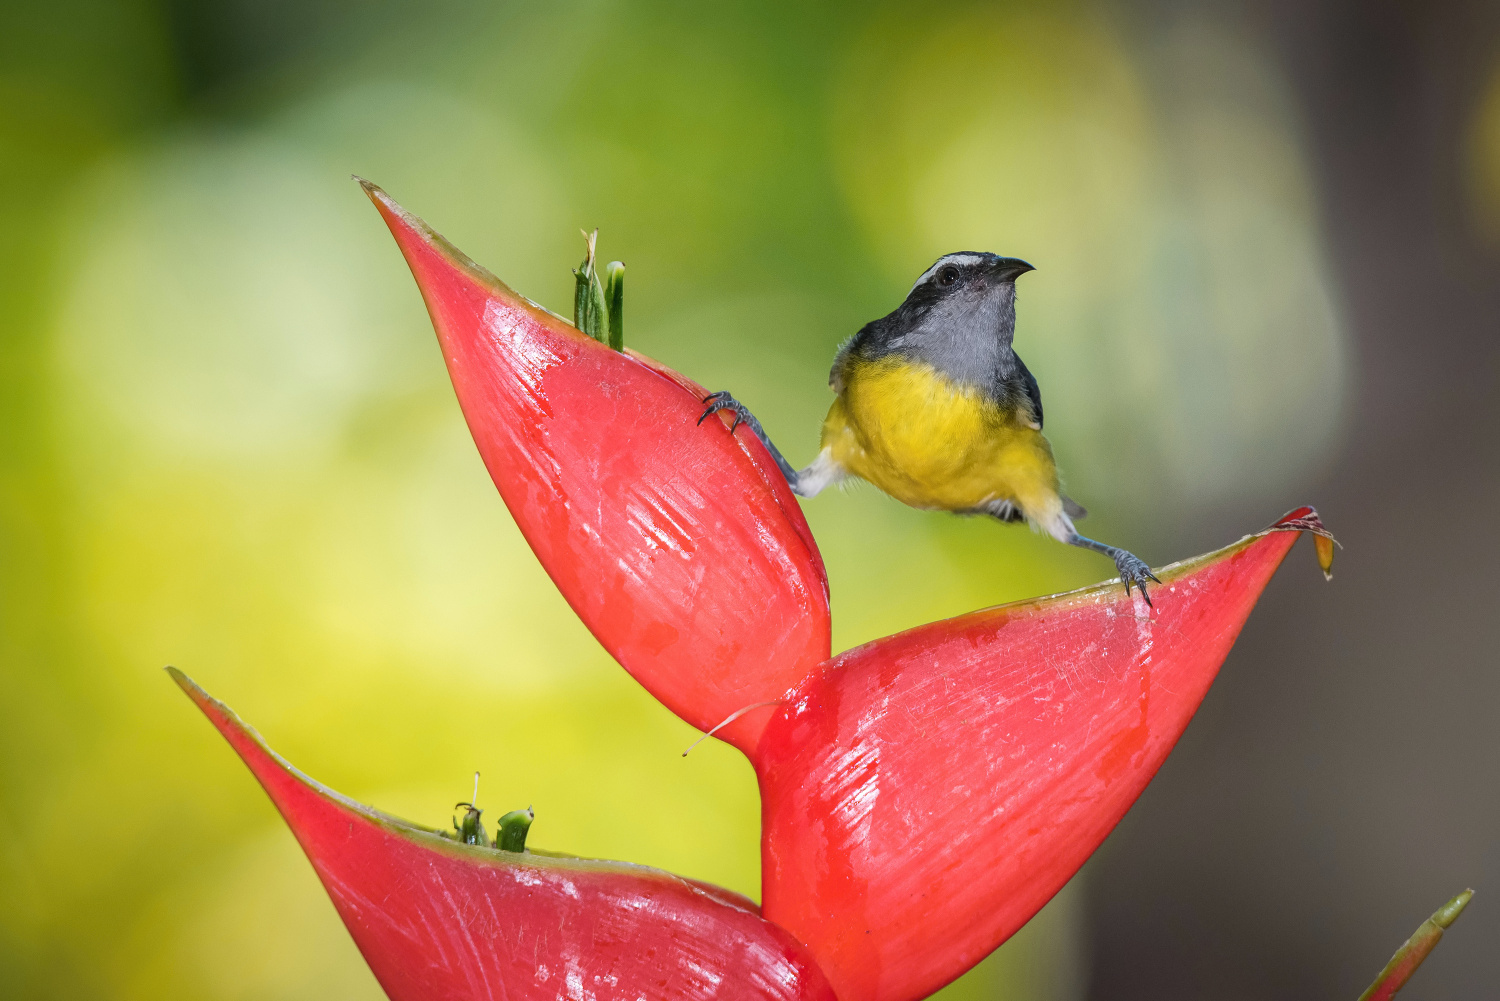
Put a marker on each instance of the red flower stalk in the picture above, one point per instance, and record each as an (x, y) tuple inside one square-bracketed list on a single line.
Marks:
[(442, 921), (686, 554), (1415, 950), (923, 795)]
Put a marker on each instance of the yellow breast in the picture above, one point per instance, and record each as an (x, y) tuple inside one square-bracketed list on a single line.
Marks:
[(931, 443)]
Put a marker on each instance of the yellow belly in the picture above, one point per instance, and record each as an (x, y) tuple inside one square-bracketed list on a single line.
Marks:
[(933, 444)]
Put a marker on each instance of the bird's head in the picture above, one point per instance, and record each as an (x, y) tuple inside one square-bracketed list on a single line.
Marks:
[(965, 302), (967, 277)]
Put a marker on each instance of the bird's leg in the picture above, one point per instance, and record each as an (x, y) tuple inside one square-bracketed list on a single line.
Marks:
[(1133, 569), (807, 482), (742, 415)]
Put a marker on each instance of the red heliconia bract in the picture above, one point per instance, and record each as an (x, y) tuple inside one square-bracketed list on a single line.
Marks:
[(925, 794), (683, 551), (442, 921)]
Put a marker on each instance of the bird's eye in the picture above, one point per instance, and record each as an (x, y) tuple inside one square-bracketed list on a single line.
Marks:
[(947, 276)]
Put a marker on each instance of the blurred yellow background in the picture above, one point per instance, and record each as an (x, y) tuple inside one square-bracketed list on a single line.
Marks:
[(230, 444)]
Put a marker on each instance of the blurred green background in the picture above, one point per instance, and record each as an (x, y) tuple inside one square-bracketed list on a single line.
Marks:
[(228, 442)]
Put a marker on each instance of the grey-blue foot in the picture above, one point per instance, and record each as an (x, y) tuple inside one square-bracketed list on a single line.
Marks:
[(742, 415), (723, 401), (1134, 571)]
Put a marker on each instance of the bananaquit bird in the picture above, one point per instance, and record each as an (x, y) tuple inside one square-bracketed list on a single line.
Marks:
[(935, 408)]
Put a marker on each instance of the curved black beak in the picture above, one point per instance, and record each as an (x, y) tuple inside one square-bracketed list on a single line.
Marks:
[(1008, 269)]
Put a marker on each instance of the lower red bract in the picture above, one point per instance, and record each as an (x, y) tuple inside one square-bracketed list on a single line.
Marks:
[(441, 921)]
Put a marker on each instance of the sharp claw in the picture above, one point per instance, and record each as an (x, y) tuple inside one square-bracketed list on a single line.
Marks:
[(1134, 573), (723, 401)]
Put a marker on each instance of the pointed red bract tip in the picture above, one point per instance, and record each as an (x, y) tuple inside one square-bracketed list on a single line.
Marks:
[(1305, 519), (441, 921), (680, 547), (927, 793)]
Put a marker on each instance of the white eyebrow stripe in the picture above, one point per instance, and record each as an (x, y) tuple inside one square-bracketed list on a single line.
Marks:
[(962, 260)]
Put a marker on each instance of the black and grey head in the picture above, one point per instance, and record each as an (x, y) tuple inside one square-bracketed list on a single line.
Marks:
[(959, 317), (965, 276)]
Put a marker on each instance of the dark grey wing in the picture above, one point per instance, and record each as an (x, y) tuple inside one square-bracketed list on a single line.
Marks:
[(1033, 391), (1074, 510)]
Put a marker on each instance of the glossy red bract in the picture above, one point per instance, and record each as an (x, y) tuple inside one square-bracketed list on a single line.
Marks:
[(441, 921), (927, 793), (679, 546)]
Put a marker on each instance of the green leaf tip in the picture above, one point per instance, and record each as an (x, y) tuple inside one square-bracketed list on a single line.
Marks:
[(1449, 912), (1416, 949)]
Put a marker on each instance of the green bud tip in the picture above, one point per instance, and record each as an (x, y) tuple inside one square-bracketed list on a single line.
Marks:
[(512, 829), (614, 298), (1449, 912), (590, 314), (471, 828)]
